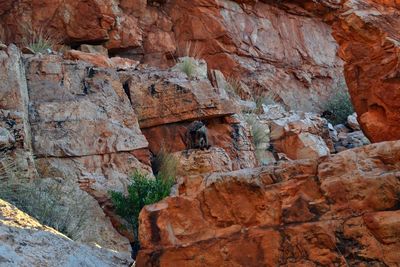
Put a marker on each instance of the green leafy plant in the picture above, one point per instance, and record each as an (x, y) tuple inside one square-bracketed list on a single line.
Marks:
[(41, 199), (141, 192), (338, 107)]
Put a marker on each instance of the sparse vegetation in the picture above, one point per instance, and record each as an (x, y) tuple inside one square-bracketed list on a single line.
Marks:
[(338, 107), (269, 98), (39, 41), (233, 86), (188, 66), (260, 135), (191, 50), (42, 199), (164, 164), (142, 191)]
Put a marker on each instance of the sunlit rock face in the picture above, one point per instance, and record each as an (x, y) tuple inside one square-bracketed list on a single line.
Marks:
[(341, 209), (44, 246), (284, 47)]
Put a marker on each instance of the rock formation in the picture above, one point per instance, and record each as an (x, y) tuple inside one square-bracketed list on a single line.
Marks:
[(25, 242), (367, 32), (278, 186), (342, 210), (279, 47)]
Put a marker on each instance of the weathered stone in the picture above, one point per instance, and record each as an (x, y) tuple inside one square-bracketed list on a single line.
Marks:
[(25, 242), (14, 110), (367, 32), (192, 161), (352, 122), (341, 206), (94, 49), (167, 97), (240, 38), (86, 103), (85, 130), (362, 179), (300, 135)]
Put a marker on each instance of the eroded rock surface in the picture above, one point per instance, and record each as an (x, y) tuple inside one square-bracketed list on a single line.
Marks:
[(25, 242), (367, 32), (83, 125), (339, 210), (284, 47)]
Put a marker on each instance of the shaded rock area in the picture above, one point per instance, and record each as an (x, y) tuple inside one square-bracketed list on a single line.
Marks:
[(25, 242), (336, 211)]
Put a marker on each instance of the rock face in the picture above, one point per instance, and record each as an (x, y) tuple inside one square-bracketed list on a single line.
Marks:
[(241, 38), (78, 123), (194, 162), (367, 32), (340, 210), (166, 102), (25, 242), (14, 120), (85, 130)]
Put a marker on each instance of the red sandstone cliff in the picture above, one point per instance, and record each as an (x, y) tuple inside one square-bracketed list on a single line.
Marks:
[(92, 120)]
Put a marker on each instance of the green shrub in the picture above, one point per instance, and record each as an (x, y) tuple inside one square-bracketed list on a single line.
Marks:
[(42, 199), (188, 66), (141, 192), (339, 107)]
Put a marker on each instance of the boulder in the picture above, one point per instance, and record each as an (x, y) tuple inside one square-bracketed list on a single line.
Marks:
[(101, 60), (25, 242), (94, 49), (352, 122), (163, 97), (300, 135), (367, 32)]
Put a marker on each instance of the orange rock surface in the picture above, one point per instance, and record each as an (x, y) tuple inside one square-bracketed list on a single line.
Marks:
[(368, 34), (342, 210)]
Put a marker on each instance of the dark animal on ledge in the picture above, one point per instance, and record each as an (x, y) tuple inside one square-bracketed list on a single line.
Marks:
[(196, 136)]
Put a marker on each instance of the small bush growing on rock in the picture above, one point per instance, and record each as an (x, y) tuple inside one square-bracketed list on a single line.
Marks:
[(339, 107), (39, 41), (42, 199), (164, 164), (259, 133), (141, 192), (188, 66)]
